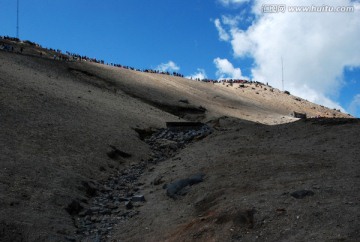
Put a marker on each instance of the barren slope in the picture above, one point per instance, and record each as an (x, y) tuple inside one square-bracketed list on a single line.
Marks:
[(251, 171), (58, 120), (258, 103), (55, 134)]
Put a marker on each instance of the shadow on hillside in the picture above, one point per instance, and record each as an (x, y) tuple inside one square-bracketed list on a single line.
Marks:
[(225, 122), (184, 110), (188, 112), (332, 121)]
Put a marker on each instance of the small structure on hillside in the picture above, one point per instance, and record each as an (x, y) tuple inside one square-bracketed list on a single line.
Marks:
[(299, 115)]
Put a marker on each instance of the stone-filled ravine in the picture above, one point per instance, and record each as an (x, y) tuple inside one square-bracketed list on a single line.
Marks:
[(119, 197)]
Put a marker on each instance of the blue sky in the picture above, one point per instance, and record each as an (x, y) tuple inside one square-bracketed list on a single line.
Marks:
[(208, 38)]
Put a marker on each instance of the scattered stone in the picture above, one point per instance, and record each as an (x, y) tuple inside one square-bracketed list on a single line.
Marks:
[(106, 205), (302, 193), (138, 198)]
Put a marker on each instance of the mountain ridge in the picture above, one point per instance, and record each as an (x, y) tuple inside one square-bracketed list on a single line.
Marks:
[(86, 151)]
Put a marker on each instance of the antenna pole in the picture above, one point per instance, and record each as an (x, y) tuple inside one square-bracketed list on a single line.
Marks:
[(282, 73), (17, 20)]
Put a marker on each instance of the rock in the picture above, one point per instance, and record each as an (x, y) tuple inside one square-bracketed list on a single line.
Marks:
[(110, 196), (88, 222), (175, 188), (95, 209), (129, 205), (111, 206), (184, 101), (173, 146), (115, 153), (302, 193), (197, 178), (125, 214), (90, 188), (70, 238), (74, 207), (158, 180), (105, 211), (123, 199), (138, 198), (165, 143), (85, 213), (106, 189)]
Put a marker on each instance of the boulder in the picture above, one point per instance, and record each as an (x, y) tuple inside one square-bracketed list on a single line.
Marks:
[(176, 187), (302, 193)]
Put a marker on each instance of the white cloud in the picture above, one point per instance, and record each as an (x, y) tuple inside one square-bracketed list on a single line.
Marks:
[(200, 74), (316, 47), (241, 43), (232, 2), (354, 107), (226, 70), (314, 96), (357, 6), (231, 21), (170, 67), (223, 35)]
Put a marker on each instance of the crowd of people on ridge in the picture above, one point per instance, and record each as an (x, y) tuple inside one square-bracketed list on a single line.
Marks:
[(68, 56)]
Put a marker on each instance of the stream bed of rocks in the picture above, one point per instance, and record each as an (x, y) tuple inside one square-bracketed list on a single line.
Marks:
[(117, 199)]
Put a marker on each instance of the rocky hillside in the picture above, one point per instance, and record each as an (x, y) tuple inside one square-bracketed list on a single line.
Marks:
[(92, 152)]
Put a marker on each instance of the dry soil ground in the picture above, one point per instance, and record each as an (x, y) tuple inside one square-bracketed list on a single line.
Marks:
[(58, 120)]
